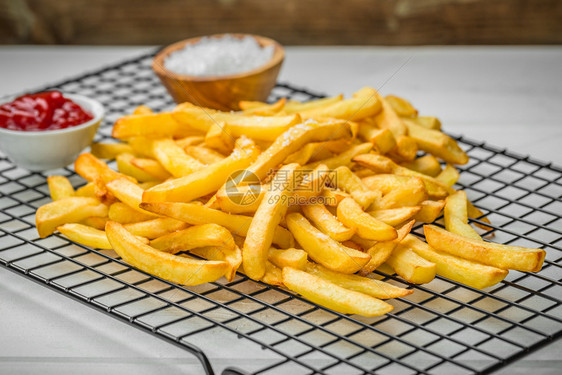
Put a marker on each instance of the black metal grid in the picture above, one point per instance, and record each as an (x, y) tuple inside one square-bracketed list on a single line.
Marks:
[(444, 327)]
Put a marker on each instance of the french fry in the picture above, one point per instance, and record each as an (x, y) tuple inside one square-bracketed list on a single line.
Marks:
[(88, 236), (374, 288), (437, 143), (203, 155), (96, 222), (353, 109), (124, 214), (87, 190), (152, 168), (395, 216), (429, 122), (125, 165), (156, 125), (333, 296), (219, 137), (155, 228), (91, 168), (401, 106), (344, 179), (273, 275), (382, 139), (194, 140), (59, 187), (406, 149), (174, 159), (411, 193), (381, 251), (448, 176), (205, 181), (181, 270), (464, 271), (342, 159), (429, 211), (333, 197), (493, 254), (387, 118), (110, 150), (323, 249), (267, 217), (263, 109), (327, 223), (456, 216), (142, 146), (66, 210), (352, 216), (256, 127), (295, 258), (427, 164), (412, 267), (128, 193), (294, 106), (195, 214)]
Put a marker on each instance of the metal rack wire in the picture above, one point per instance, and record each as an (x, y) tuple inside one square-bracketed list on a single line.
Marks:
[(444, 327)]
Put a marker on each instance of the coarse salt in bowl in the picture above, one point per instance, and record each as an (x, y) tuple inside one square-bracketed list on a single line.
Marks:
[(219, 71)]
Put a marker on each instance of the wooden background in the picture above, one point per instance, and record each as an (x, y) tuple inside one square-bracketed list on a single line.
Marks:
[(292, 22)]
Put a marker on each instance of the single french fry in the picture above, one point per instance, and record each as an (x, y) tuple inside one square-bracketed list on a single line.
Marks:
[(437, 143), (66, 210), (353, 109), (110, 150), (406, 149), (412, 267), (352, 216), (155, 228), (395, 216), (411, 193), (374, 288), (333, 296), (142, 146), (128, 193), (181, 270), (125, 165), (267, 217), (174, 159), (456, 216), (262, 109), (427, 164), (344, 179), (295, 258), (87, 190), (448, 176), (96, 222), (381, 251), (464, 271), (492, 254), (91, 168), (196, 214), (327, 223), (154, 125), (429, 122), (382, 139), (429, 211), (124, 214), (401, 106), (88, 236), (294, 106), (59, 187), (205, 181), (323, 249)]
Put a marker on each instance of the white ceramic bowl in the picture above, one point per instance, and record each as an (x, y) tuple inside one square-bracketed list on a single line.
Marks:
[(50, 149)]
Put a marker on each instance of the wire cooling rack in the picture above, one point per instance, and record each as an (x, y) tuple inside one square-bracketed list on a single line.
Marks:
[(443, 328)]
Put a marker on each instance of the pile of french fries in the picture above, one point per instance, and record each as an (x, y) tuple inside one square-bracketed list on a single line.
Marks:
[(310, 196)]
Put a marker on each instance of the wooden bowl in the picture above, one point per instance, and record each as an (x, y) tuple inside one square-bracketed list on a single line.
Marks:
[(220, 92)]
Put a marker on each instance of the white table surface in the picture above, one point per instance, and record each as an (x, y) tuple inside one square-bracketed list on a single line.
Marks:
[(509, 96)]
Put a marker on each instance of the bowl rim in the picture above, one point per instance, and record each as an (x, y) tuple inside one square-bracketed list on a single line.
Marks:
[(94, 106), (159, 67)]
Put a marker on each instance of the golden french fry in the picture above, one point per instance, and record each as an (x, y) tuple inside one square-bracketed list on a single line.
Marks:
[(142, 146), (219, 137), (128, 193), (382, 139), (92, 169), (429, 122), (59, 187), (174, 159), (448, 176), (411, 193), (194, 140), (181, 270), (295, 138), (66, 210), (125, 165), (203, 154), (374, 288), (327, 223), (429, 211), (88, 236), (464, 271), (342, 159), (295, 258), (267, 217), (294, 106), (195, 214), (154, 228), (333, 296), (492, 254), (333, 197), (344, 179), (401, 106), (96, 222), (353, 109), (156, 125), (381, 251), (87, 190), (255, 127), (406, 149), (456, 216), (243, 199), (427, 164), (323, 249), (262, 109), (110, 150), (387, 118), (352, 216), (395, 216), (152, 168), (124, 214), (437, 143), (411, 267)]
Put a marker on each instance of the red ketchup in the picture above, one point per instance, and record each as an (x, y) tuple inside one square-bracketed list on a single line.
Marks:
[(47, 110)]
